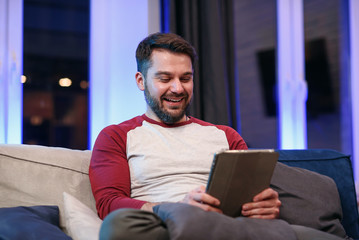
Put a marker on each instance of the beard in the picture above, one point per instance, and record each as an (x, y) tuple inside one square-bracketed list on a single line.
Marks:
[(163, 114)]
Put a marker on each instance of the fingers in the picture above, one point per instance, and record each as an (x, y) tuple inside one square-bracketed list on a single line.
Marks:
[(265, 205), (198, 197), (205, 207), (264, 213), (203, 197), (265, 194)]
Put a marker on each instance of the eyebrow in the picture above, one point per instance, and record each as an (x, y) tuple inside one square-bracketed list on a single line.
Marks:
[(169, 73)]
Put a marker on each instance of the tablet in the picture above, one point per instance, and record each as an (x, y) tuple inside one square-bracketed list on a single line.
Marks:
[(237, 176)]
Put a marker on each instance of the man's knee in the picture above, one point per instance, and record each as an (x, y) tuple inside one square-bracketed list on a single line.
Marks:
[(132, 224), (306, 233)]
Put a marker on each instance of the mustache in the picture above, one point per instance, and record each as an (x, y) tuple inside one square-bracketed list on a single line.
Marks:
[(184, 95)]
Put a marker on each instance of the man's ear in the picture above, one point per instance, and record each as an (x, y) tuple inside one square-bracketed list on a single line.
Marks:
[(140, 80)]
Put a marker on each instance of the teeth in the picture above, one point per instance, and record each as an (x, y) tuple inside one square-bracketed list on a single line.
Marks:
[(173, 100)]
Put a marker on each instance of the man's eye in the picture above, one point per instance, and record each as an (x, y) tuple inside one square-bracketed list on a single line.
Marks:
[(186, 79), (165, 79)]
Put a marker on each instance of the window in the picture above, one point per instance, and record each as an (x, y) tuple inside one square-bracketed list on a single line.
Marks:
[(55, 66)]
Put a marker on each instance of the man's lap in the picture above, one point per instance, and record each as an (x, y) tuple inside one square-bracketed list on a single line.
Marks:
[(133, 224), (182, 221), (188, 222)]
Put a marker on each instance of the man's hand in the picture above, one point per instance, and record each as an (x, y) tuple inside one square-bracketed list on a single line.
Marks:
[(148, 206), (198, 197), (265, 205)]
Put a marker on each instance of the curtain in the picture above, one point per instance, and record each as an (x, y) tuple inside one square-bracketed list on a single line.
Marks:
[(208, 26)]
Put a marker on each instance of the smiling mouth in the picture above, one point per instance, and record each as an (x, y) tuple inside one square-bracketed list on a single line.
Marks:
[(173, 100)]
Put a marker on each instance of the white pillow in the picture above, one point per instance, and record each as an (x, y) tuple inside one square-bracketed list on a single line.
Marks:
[(81, 222)]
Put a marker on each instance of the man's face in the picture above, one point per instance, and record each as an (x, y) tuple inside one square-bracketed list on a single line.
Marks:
[(168, 86)]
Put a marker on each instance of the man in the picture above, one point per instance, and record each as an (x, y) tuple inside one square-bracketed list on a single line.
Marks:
[(164, 155)]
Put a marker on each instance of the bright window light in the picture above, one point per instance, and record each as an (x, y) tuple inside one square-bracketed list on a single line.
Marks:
[(65, 82)]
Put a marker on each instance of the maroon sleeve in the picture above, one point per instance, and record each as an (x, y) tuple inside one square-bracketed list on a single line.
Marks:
[(109, 172), (235, 141)]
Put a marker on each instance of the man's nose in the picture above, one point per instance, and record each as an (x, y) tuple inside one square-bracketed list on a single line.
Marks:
[(176, 86)]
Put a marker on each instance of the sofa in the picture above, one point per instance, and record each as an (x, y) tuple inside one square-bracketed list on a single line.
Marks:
[(46, 193)]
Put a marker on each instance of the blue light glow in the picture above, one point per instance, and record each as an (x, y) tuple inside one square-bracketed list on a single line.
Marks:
[(292, 88), (354, 62), (116, 29), (10, 71)]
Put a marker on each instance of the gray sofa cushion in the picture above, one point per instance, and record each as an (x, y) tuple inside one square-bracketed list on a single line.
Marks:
[(337, 166), (308, 199)]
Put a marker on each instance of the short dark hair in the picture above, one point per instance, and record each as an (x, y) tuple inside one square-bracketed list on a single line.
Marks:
[(168, 41)]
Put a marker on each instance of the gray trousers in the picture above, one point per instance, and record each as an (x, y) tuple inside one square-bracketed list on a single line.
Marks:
[(133, 224), (137, 224)]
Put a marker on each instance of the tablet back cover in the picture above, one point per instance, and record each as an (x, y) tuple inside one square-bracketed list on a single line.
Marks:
[(238, 175)]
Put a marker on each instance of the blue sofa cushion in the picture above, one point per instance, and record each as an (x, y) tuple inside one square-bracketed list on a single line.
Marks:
[(37, 222), (336, 166)]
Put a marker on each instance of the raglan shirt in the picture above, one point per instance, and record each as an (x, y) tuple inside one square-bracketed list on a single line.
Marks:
[(142, 160)]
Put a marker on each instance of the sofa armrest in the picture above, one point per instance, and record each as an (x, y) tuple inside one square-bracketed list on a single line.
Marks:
[(33, 175)]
